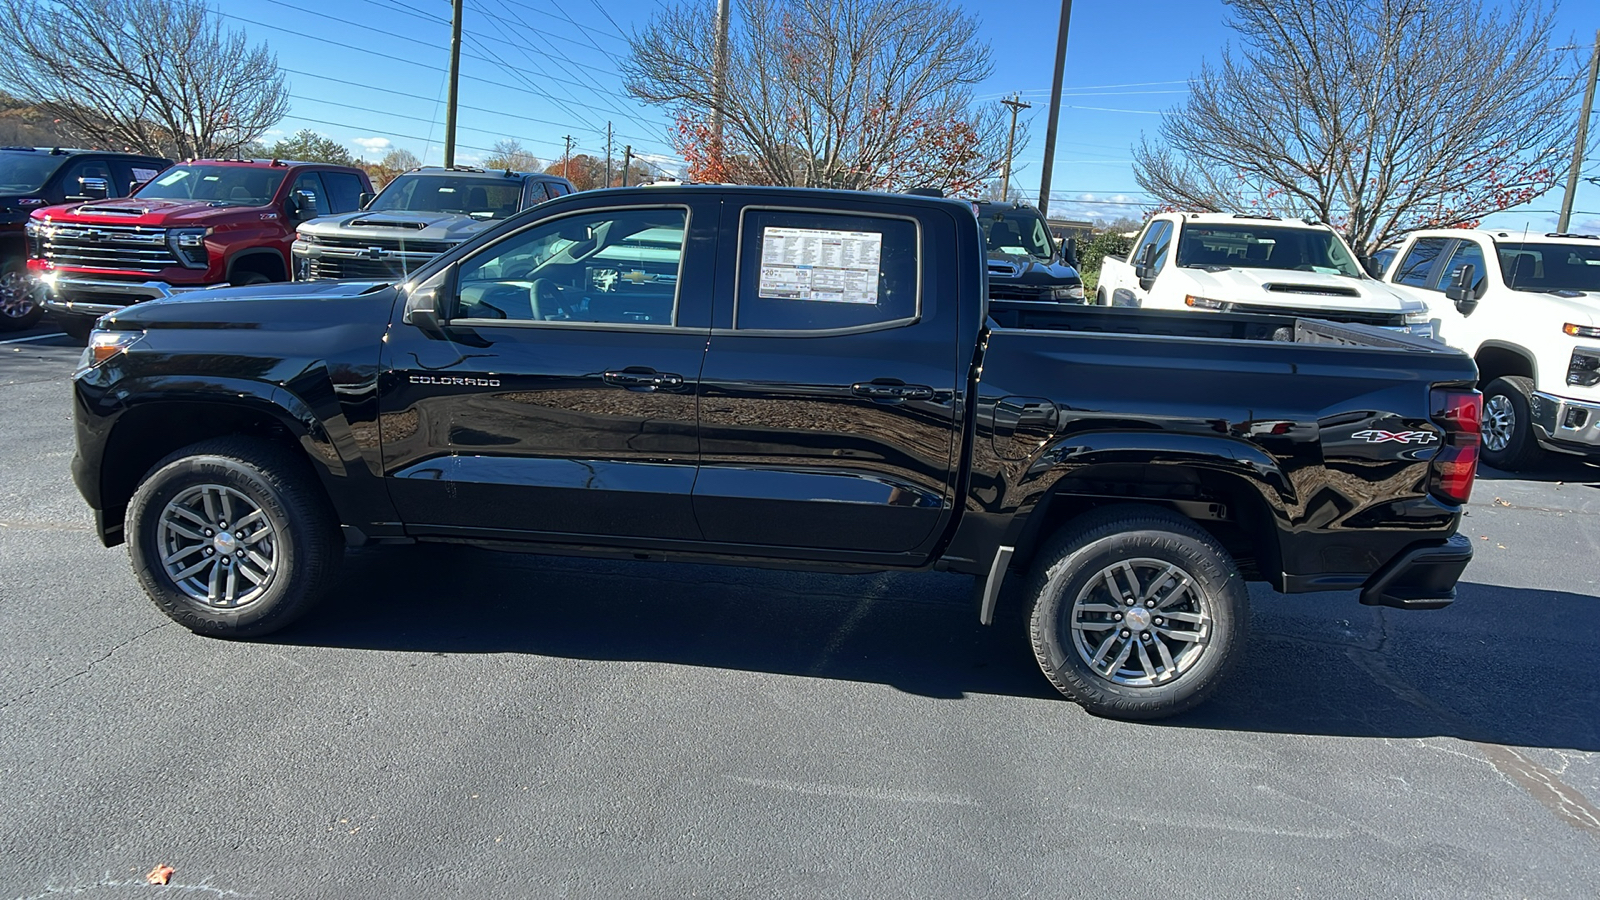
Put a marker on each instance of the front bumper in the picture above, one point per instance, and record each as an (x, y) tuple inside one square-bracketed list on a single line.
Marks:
[(1571, 426), (97, 297)]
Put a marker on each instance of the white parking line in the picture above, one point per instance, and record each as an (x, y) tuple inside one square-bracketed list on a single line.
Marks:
[(37, 337)]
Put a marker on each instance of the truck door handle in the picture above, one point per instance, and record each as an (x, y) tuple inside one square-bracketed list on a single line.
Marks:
[(878, 390), (639, 377)]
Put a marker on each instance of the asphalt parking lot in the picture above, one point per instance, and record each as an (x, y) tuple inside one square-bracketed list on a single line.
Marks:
[(458, 722)]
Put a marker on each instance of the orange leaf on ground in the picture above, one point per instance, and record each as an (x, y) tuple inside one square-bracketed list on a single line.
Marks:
[(160, 874)]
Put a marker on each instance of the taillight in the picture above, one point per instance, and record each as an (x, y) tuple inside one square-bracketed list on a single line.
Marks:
[(1460, 413)]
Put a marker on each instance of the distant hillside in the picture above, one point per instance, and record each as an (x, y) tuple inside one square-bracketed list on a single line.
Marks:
[(23, 125)]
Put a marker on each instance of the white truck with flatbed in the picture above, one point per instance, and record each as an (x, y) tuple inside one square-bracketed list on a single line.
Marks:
[(1222, 262), (1527, 308)]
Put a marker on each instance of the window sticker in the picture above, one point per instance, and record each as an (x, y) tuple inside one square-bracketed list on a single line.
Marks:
[(143, 175), (821, 266)]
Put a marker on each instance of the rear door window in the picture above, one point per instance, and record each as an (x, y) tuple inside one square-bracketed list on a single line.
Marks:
[(1417, 268), (344, 191), (804, 271)]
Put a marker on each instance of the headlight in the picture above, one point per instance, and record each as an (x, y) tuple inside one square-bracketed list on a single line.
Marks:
[(1584, 370), (1588, 331), (105, 344), (1416, 318), (1204, 303), (1072, 292), (304, 238), (190, 245)]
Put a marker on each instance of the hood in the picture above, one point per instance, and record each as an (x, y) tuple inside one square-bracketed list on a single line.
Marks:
[(398, 225), (1577, 307), (285, 306), (1299, 290), (1008, 268), (134, 211)]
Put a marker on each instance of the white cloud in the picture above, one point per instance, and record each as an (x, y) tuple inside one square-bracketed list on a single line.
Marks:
[(372, 144)]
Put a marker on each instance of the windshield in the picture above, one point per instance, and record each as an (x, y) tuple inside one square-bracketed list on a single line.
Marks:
[(1246, 246), (22, 172), (1017, 232), (480, 198), (223, 185), (1550, 267)]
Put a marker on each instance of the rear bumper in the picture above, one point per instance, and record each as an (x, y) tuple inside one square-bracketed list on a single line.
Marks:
[(1422, 577), (1570, 426)]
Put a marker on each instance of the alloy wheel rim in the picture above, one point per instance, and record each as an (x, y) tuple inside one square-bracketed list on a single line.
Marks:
[(1499, 422), (1141, 622), (217, 546), (16, 295)]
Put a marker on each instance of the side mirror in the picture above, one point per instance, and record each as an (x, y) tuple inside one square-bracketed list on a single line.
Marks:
[(1069, 252), (134, 188), (424, 304), (93, 189), (302, 205), (1462, 290), (1145, 269), (366, 199), (1370, 266)]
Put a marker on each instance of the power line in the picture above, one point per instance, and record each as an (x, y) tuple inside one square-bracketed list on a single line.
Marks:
[(613, 22)]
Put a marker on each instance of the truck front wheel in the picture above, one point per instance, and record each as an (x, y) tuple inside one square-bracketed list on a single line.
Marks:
[(231, 538), (1508, 441), (19, 298), (1137, 612)]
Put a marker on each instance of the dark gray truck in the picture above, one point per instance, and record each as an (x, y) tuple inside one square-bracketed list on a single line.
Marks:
[(790, 378)]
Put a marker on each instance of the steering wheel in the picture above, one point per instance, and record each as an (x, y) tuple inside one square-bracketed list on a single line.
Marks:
[(545, 297)]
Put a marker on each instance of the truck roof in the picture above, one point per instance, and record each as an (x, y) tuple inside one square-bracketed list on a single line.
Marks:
[(477, 172), (267, 163), (1218, 218), (76, 151), (1506, 234)]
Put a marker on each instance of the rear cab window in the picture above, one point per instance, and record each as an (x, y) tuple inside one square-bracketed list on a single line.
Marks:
[(811, 272)]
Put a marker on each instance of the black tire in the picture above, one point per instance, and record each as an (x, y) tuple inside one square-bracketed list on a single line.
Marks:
[(19, 297), (245, 279), (1148, 538), (304, 546), (1100, 297), (1513, 396), (76, 327)]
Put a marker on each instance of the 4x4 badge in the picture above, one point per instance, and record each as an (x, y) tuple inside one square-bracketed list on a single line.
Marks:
[(1401, 437)]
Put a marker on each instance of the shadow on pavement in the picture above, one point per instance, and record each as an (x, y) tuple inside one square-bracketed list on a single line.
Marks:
[(1550, 469), (1503, 665)]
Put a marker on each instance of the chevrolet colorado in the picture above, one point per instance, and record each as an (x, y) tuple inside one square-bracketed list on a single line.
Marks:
[(782, 377)]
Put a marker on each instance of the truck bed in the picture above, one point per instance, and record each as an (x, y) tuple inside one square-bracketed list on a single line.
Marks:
[(1038, 316)]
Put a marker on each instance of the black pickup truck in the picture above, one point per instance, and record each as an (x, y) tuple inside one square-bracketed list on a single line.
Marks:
[(791, 378)]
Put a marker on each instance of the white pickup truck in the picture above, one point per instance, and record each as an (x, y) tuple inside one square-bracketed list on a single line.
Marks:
[(1258, 264), (1527, 307)]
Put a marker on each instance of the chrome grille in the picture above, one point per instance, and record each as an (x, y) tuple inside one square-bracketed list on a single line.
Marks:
[(138, 248), (360, 269), (395, 244)]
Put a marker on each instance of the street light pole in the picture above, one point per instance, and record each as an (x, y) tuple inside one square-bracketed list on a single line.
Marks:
[(1583, 136), (1017, 106), (1055, 109), (455, 79)]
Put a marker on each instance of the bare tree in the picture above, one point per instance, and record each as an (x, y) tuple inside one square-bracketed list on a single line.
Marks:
[(154, 76), (394, 163), (826, 93), (1376, 116), (508, 153)]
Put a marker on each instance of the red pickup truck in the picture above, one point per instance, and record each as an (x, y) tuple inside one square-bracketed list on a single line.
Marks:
[(201, 224)]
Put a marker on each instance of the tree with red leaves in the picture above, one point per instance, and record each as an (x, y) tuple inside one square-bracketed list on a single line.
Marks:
[(857, 94), (1378, 117)]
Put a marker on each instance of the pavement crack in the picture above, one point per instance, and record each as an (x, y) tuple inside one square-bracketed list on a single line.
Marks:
[(86, 669)]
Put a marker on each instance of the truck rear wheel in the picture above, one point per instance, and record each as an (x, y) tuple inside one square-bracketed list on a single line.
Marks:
[(230, 538), (1508, 440), (1137, 613), (19, 298)]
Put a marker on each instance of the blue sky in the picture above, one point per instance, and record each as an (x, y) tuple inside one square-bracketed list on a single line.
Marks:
[(371, 74)]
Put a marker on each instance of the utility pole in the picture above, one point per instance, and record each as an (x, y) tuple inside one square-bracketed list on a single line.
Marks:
[(1583, 137), (608, 154), (455, 79), (1055, 109), (627, 163), (1017, 106), (566, 158), (719, 81)]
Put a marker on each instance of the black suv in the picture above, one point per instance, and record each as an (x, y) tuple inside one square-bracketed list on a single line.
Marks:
[(35, 177), (418, 215), (1024, 261)]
